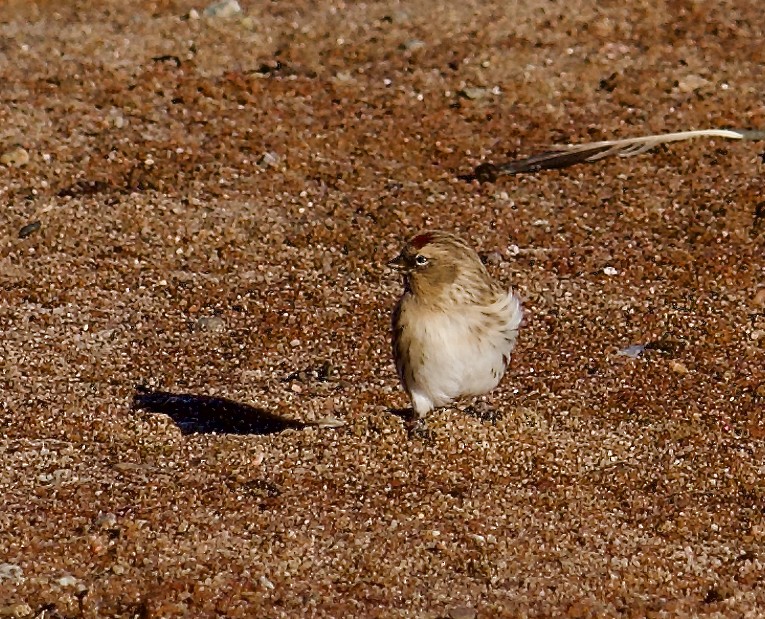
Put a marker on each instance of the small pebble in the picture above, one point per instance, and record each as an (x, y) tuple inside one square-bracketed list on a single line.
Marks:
[(29, 229), (226, 8), (633, 351), (67, 581), (610, 271), (678, 368), (15, 158), (494, 258), (690, 83), (215, 324), (413, 45), (474, 93), (326, 264), (759, 297), (268, 160), (16, 611), (462, 612), (131, 467), (10, 571), (106, 521)]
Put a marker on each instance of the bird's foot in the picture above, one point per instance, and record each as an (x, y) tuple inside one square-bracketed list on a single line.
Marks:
[(417, 428), (484, 412)]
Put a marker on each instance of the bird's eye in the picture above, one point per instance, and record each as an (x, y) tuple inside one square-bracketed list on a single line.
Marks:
[(420, 260)]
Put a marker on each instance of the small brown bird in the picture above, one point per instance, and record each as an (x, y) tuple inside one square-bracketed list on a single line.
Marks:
[(454, 327)]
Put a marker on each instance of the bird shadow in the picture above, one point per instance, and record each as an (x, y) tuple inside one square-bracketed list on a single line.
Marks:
[(204, 414), (416, 427)]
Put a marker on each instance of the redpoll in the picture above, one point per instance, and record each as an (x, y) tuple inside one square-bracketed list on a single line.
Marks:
[(454, 327)]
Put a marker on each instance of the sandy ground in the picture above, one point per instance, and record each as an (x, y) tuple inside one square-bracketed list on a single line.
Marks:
[(204, 205)]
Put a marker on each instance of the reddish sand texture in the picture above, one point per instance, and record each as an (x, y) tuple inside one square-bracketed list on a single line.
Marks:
[(204, 205)]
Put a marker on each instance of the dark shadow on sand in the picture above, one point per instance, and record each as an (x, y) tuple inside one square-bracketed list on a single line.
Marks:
[(405, 414), (204, 414)]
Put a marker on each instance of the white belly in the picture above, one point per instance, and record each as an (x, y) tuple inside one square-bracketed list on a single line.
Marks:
[(462, 352)]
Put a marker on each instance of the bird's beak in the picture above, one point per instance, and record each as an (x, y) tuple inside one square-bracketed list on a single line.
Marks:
[(398, 263)]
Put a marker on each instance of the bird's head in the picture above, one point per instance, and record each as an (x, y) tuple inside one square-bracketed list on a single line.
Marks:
[(435, 263)]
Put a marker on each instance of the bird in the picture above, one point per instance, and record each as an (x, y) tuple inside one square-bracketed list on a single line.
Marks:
[(454, 327)]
